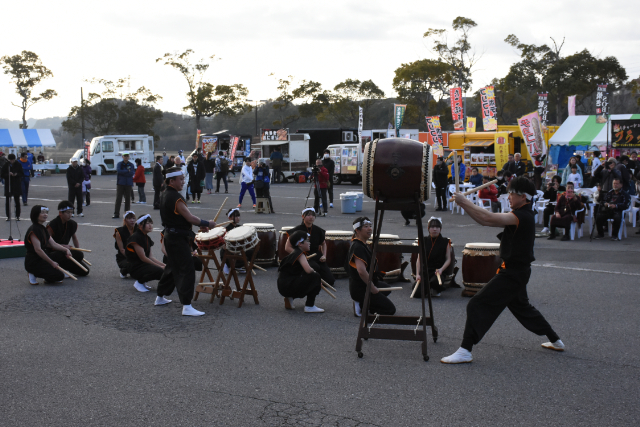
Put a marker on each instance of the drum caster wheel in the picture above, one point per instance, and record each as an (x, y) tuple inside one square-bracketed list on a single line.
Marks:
[(360, 354), (425, 358), (435, 339)]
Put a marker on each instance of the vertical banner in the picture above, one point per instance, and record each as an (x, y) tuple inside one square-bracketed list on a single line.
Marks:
[(360, 125), (571, 104), (435, 132), (234, 147), (602, 104), (489, 111), (531, 129), (471, 124), (457, 109), (543, 107), (398, 112), (209, 144), (197, 139), (501, 148)]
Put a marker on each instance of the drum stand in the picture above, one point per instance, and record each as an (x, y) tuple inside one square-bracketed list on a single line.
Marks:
[(210, 287), (248, 280), (419, 323)]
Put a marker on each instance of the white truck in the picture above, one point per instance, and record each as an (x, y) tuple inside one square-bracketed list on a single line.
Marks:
[(348, 160), (295, 152), (106, 151)]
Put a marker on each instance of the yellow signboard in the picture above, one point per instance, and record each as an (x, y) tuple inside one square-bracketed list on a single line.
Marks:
[(501, 148), (471, 124)]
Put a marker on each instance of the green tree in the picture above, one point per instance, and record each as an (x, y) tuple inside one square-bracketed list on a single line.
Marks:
[(342, 103), (27, 71), (205, 99), (308, 93)]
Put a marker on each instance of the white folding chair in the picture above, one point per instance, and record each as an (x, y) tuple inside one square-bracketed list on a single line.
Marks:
[(435, 199), (484, 204), (623, 225), (541, 205), (505, 207), (633, 210), (574, 226)]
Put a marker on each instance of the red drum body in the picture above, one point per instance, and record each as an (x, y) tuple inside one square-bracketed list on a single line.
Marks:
[(397, 168), (212, 239), (338, 243), (268, 242), (480, 261), (389, 261), (448, 275), (282, 242)]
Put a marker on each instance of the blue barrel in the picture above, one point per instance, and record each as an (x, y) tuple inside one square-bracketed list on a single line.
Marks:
[(348, 202), (359, 200)]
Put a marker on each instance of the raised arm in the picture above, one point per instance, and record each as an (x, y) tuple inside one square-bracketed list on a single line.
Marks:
[(484, 217)]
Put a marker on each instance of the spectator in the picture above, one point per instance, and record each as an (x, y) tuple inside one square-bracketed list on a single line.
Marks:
[(595, 164), (197, 174), (27, 168), (86, 184), (510, 165), (40, 157), (140, 181), (12, 173), (276, 164), (321, 179), (551, 194), (75, 178), (575, 177), (181, 157), (566, 213), (3, 161), (565, 174), (32, 159), (440, 176), (625, 176), (246, 182), (170, 163), (475, 178), (124, 184), (222, 170), (262, 183), (158, 179), (330, 165), (461, 171), (606, 173), (165, 158), (520, 166), (538, 170), (490, 193), (612, 205), (209, 169)]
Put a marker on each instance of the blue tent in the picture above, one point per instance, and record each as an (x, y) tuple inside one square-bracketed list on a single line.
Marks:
[(26, 138)]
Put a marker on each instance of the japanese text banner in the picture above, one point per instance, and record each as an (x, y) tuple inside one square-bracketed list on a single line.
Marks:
[(501, 148), (399, 115), (435, 133), (625, 134), (457, 109), (489, 111), (532, 134)]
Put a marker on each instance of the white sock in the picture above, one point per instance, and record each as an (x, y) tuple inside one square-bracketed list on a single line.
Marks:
[(188, 310), (161, 301), (461, 355), (140, 287)]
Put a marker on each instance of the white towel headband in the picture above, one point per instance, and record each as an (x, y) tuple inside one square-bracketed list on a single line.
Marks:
[(129, 212), (360, 224), (527, 195), (307, 210), (303, 239), (230, 214), (66, 208), (172, 174), (142, 218)]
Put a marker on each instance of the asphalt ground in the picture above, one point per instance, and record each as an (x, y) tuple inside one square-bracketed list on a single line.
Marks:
[(97, 352)]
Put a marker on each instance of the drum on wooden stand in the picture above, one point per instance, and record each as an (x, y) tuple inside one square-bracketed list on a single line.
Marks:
[(212, 239), (389, 261), (267, 235), (282, 242), (338, 243), (480, 261), (240, 238), (448, 274)]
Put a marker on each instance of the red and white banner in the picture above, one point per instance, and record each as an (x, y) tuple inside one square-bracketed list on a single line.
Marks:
[(457, 109), (531, 128)]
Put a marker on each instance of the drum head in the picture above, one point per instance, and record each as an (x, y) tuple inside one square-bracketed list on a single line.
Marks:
[(261, 227), (485, 246), (240, 233), (338, 235), (214, 233)]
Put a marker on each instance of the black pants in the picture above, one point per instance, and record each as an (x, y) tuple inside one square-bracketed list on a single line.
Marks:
[(41, 268), (330, 188), (156, 197), (180, 273), (16, 199), (548, 211), (378, 303), (318, 192), (276, 173), (307, 285), (562, 222), (603, 217), (323, 269), (75, 194), (141, 196), (125, 191), (507, 289), (144, 272), (123, 264), (196, 195), (62, 260), (441, 197), (223, 177)]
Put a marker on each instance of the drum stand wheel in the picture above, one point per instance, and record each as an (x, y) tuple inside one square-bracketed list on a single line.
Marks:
[(360, 355)]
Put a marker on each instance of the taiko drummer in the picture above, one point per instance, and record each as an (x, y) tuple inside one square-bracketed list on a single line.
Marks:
[(179, 272), (508, 289), (234, 217), (438, 256)]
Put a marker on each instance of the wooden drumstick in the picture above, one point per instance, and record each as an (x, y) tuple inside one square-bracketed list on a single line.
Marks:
[(392, 272), (88, 263), (78, 264), (397, 288), (311, 256), (220, 210), (254, 272), (473, 190), (259, 268), (67, 273), (80, 250), (415, 289), (439, 279), (327, 291), (223, 223), (328, 285)]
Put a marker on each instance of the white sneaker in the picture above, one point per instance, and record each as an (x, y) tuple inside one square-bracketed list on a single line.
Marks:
[(460, 356), (81, 214), (72, 215), (557, 346), (66, 276), (226, 269), (140, 287), (188, 310), (357, 310), (123, 276), (161, 301), (330, 205), (32, 279), (142, 203), (544, 230), (434, 293), (313, 309)]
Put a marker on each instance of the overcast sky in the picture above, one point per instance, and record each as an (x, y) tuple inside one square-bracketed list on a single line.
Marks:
[(326, 41)]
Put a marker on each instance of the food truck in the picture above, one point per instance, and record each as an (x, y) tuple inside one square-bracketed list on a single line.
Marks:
[(106, 151), (295, 149)]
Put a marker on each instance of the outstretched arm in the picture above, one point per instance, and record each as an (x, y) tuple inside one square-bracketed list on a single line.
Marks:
[(484, 217)]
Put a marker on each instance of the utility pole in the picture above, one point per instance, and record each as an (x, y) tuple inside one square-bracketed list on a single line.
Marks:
[(82, 121)]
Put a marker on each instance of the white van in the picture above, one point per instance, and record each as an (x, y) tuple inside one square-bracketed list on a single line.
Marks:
[(106, 151)]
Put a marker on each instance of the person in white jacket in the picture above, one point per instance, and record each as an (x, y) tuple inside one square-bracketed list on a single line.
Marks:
[(246, 182)]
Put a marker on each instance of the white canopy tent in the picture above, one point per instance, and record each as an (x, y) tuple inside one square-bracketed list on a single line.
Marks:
[(26, 138)]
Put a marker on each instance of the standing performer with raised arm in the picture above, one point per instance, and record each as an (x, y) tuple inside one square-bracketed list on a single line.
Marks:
[(180, 271), (508, 288)]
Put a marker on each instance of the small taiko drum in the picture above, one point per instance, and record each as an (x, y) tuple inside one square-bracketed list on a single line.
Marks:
[(338, 243), (241, 238), (397, 168), (282, 242), (388, 261), (267, 235), (480, 262), (212, 239), (448, 275)]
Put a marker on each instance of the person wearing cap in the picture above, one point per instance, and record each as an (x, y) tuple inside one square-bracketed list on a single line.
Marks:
[(296, 277), (121, 236), (181, 157), (246, 182), (27, 168), (508, 288), (440, 178), (438, 250), (12, 174), (39, 246), (142, 265), (75, 178), (62, 230), (359, 259), (124, 184)]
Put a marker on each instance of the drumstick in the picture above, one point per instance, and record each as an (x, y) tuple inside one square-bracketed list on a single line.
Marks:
[(392, 272), (439, 279), (415, 288), (397, 288), (327, 291), (259, 268), (67, 273), (328, 285), (311, 256), (473, 190), (85, 260), (254, 272), (80, 250), (455, 170), (223, 223), (78, 264), (220, 210)]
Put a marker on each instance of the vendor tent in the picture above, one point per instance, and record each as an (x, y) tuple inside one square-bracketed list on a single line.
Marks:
[(26, 138)]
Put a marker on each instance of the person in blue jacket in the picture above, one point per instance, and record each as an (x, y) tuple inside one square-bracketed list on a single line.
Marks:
[(461, 168), (125, 170), (27, 167)]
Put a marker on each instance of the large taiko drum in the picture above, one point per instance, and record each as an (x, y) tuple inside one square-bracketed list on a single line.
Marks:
[(338, 243), (212, 239), (480, 261), (389, 261), (397, 168), (448, 274), (268, 242), (282, 242), (241, 238)]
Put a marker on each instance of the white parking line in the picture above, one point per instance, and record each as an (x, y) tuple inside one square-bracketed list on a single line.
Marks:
[(584, 269)]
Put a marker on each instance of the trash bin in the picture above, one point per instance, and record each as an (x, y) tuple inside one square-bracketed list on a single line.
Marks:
[(348, 202), (359, 200)]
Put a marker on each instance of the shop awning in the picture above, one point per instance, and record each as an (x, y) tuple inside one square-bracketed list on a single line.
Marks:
[(483, 143), (266, 143), (26, 138), (583, 130)]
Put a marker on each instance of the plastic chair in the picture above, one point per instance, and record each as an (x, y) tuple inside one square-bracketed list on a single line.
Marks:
[(633, 210), (574, 226), (435, 199), (505, 207), (485, 204), (623, 225), (541, 205)]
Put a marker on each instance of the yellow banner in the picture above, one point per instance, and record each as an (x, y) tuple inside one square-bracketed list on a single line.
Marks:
[(501, 148), (471, 124)]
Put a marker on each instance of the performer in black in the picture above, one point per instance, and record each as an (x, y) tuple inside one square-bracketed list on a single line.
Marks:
[(358, 262), (121, 235), (318, 245), (508, 289), (197, 262), (38, 242), (440, 178), (62, 230), (177, 221), (12, 173), (296, 278), (142, 265), (438, 256)]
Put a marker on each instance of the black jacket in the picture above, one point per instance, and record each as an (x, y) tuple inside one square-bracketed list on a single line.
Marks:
[(440, 174), (511, 167), (74, 176), (331, 167), (520, 168), (16, 181), (157, 176), (195, 177)]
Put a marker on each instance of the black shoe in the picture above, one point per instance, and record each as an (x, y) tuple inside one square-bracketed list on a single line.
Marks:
[(217, 191), (638, 232), (615, 239), (565, 238), (17, 218), (25, 204), (226, 192), (598, 237), (8, 219), (551, 237), (115, 216), (407, 222)]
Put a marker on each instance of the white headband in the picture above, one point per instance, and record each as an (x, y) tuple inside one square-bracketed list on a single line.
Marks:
[(44, 209), (528, 196), (433, 217), (307, 210), (129, 212), (172, 174), (303, 239), (360, 224), (230, 214), (142, 218), (66, 208)]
